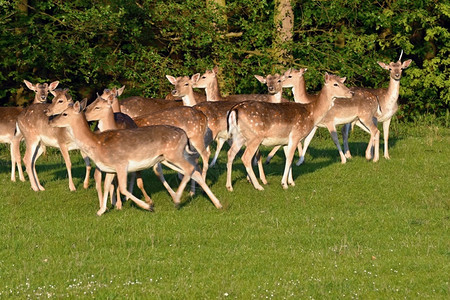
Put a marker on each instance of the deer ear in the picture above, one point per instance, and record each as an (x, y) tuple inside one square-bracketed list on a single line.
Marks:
[(30, 85), (406, 63), (53, 85), (327, 77), (83, 104), (383, 65), (261, 79), (342, 79), (216, 69), (288, 72), (195, 77), (110, 100), (305, 69), (120, 91), (172, 79)]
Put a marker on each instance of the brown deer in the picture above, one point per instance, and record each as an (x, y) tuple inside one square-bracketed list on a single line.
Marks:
[(101, 110), (191, 120), (8, 119), (184, 90), (387, 98), (131, 150), (362, 106), (254, 123)]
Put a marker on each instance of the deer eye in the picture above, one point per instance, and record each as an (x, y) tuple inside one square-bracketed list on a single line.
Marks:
[(335, 84), (60, 101), (97, 108), (290, 76), (186, 84), (64, 114)]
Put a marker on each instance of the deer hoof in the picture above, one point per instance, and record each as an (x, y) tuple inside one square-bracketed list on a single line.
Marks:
[(230, 188)]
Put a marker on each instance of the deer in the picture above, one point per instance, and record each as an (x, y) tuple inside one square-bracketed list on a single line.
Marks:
[(8, 119), (387, 99), (101, 110), (130, 150), (32, 123), (184, 90), (216, 110), (255, 123), (362, 107)]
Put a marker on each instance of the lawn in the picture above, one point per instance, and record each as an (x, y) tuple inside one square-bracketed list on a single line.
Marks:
[(360, 230)]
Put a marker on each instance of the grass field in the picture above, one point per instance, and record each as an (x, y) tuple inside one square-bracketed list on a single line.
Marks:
[(360, 230)]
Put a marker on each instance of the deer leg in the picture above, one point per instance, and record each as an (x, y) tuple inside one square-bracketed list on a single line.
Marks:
[(237, 144), (122, 179), (290, 180), (87, 161), (252, 147), (345, 131), (305, 145), (158, 171), (140, 184), (65, 154), (332, 130), (386, 138), (262, 175), (219, 145), (289, 152), (106, 187), (29, 159), (199, 179), (98, 185), (15, 156), (272, 154)]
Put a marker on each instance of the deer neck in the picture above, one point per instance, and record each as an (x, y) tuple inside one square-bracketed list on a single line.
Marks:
[(85, 139), (275, 98), (116, 105), (390, 97), (213, 91), (299, 91), (320, 107), (189, 99), (107, 122)]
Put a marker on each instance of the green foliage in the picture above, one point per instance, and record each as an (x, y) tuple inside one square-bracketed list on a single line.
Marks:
[(89, 45)]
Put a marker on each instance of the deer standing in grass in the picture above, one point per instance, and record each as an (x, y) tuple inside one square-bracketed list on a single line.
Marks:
[(32, 124), (387, 99), (216, 107), (8, 119), (130, 150), (101, 110), (254, 123), (362, 107)]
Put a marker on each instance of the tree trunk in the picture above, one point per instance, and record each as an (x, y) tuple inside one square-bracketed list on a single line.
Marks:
[(284, 23)]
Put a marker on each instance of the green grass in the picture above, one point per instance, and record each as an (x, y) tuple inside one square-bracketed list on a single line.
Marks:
[(361, 230)]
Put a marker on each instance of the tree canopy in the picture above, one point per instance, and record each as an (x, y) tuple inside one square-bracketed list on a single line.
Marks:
[(90, 45)]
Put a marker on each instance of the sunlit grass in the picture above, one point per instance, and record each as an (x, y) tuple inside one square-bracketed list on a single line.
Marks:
[(360, 230)]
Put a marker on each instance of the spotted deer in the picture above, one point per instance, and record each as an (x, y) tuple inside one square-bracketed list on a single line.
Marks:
[(255, 123), (387, 99), (8, 119), (362, 107), (101, 110), (131, 150), (183, 89)]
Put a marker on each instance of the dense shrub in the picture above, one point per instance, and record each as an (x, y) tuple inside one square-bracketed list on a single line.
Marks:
[(88, 45)]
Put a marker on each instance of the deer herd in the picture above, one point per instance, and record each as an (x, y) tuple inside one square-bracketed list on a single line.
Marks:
[(137, 133)]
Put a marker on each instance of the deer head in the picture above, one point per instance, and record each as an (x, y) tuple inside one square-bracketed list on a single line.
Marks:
[(41, 90)]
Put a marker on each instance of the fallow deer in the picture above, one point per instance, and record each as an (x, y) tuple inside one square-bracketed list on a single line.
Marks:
[(254, 123), (101, 110), (184, 90), (387, 98), (362, 106), (8, 119), (130, 150)]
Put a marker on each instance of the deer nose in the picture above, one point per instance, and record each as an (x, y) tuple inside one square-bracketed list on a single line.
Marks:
[(271, 88), (174, 92), (352, 92)]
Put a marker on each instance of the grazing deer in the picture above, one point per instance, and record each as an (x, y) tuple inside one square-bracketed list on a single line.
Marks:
[(184, 90), (101, 110), (131, 150), (209, 82), (362, 106), (8, 119), (387, 98), (254, 123)]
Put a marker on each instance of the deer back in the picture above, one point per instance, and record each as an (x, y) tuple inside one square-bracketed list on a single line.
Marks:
[(8, 119), (138, 106)]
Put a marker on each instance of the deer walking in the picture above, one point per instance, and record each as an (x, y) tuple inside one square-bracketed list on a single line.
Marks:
[(254, 123), (130, 150)]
